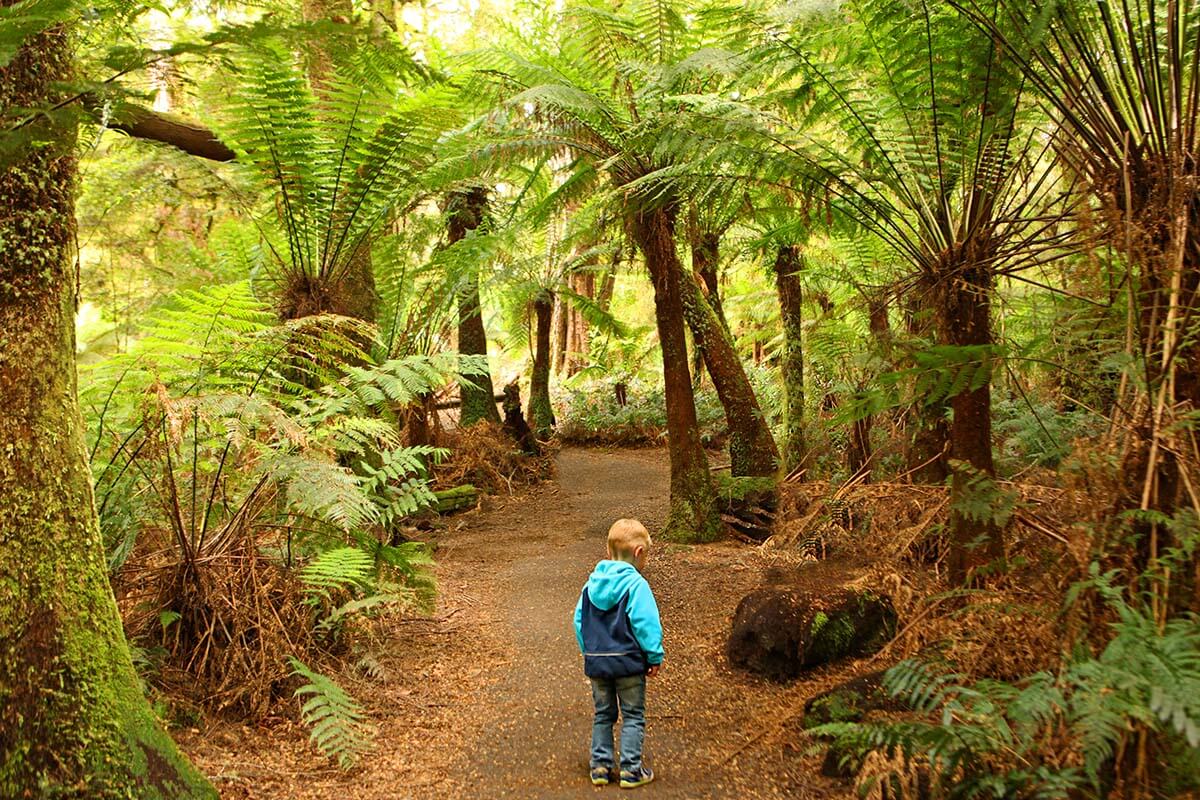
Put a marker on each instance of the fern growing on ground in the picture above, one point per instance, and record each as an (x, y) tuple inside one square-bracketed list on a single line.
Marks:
[(336, 720), (1050, 734), (256, 461)]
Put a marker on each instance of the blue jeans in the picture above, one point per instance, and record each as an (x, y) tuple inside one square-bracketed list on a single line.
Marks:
[(628, 694)]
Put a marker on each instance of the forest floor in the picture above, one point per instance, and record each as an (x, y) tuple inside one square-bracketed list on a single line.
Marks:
[(486, 697)]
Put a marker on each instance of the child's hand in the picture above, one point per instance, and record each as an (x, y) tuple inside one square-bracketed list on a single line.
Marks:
[(653, 671)]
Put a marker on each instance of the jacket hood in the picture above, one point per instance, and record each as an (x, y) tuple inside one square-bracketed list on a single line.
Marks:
[(610, 581)]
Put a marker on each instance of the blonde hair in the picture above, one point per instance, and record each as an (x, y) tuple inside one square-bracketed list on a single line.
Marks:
[(625, 536)]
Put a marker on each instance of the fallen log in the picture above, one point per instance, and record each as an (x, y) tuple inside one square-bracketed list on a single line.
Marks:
[(448, 404), (460, 498)]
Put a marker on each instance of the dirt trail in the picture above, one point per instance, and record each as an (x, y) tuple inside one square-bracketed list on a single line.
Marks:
[(534, 744), (487, 699)]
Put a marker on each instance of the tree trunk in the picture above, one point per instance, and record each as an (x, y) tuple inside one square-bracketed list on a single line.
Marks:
[(608, 285), (965, 321), (706, 258), (693, 515), (466, 210), (927, 427), (561, 326), (859, 455), (541, 413), (584, 285), (73, 720), (787, 284), (752, 449)]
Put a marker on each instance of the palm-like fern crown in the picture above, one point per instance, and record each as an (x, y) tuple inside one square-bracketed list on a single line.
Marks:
[(905, 116), (336, 165), (604, 89), (1120, 78)]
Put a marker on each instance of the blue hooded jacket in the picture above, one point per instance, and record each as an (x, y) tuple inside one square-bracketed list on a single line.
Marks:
[(616, 622)]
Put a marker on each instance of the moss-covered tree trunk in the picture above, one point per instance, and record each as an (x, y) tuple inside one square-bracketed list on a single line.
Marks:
[(467, 209), (706, 259), (73, 720), (693, 515), (541, 414), (787, 285), (965, 322), (752, 447)]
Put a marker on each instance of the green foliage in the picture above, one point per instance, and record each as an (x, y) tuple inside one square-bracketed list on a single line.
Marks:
[(335, 165), (981, 499), (336, 719), (1038, 433), (593, 415), (988, 738)]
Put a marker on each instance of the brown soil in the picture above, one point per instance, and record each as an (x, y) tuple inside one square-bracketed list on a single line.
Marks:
[(487, 698)]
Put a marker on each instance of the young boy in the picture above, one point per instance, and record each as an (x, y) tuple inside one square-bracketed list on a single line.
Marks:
[(620, 636)]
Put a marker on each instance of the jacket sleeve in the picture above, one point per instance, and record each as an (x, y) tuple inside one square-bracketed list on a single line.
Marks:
[(579, 621), (643, 616)]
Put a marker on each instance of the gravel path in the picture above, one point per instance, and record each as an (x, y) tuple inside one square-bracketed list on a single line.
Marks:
[(486, 698)]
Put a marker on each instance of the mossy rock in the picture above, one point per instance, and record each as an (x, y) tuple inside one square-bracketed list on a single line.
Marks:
[(781, 632)]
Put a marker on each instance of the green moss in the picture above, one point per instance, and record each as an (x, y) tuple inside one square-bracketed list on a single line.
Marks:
[(830, 637), (732, 488)]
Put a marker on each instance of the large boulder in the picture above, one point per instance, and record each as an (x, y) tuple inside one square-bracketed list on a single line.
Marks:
[(781, 632)]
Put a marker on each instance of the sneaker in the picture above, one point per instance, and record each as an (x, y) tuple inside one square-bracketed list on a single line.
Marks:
[(632, 780), (601, 776)]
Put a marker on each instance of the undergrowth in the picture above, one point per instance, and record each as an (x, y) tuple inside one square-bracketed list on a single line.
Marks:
[(591, 414), (252, 484)]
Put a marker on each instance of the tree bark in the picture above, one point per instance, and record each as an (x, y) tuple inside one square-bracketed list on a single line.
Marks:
[(693, 515), (787, 285), (190, 137), (583, 284), (752, 449), (541, 413), (73, 720), (466, 210), (928, 430), (561, 327), (706, 258), (859, 455), (608, 285), (965, 321)]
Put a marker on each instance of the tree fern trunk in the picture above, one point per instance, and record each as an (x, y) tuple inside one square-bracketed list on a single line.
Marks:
[(541, 414), (752, 449), (73, 720), (927, 430), (561, 326), (706, 258), (965, 294), (787, 285), (466, 210), (693, 514)]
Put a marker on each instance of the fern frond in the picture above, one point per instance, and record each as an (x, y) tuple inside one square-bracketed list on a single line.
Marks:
[(336, 720)]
